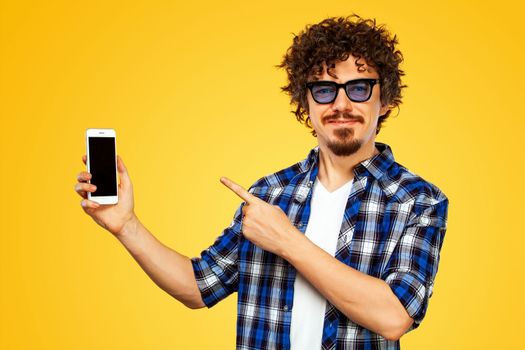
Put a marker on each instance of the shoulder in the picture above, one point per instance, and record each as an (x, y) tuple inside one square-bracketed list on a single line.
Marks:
[(423, 197), (406, 185)]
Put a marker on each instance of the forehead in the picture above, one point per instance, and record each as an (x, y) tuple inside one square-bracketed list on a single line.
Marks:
[(347, 69)]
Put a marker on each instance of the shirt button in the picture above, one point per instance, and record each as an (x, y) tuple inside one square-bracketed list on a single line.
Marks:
[(299, 225), (309, 184), (285, 308)]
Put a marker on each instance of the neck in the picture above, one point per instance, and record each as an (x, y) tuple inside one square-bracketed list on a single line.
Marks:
[(336, 170)]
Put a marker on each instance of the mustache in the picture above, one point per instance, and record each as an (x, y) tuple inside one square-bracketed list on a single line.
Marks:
[(344, 116)]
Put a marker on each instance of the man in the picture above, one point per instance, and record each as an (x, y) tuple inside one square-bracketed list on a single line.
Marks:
[(339, 250)]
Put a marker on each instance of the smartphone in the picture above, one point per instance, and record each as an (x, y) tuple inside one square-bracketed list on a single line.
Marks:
[(101, 151)]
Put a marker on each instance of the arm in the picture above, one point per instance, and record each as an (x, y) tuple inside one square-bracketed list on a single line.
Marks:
[(396, 301), (170, 270), (364, 299)]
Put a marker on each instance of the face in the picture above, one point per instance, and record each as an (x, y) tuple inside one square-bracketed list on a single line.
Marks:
[(343, 126)]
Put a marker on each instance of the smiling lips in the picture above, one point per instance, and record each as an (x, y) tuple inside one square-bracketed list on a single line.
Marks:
[(343, 121)]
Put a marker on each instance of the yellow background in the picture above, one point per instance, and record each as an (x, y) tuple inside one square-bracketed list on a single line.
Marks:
[(192, 91)]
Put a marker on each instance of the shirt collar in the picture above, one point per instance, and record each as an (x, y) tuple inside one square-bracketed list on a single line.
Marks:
[(375, 166)]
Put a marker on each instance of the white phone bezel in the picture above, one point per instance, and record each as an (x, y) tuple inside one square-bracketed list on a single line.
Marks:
[(93, 132)]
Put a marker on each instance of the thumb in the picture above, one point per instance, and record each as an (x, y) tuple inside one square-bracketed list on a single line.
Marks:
[(123, 173)]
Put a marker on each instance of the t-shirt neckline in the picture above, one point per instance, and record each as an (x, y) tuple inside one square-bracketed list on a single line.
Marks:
[(340, 188)]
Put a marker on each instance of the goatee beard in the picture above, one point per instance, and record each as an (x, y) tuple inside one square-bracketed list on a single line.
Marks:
[(344, 148)]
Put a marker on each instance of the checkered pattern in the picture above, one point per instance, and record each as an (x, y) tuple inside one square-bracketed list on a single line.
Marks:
[(393, 229)]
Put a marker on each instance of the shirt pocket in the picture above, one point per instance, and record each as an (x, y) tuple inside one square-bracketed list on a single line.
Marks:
[(372, 237)]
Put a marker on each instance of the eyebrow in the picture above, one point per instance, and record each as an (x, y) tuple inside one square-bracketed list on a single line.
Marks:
[(331, 81), (316, 78)]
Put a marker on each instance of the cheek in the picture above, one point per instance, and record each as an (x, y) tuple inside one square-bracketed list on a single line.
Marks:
[(370, 112), (315, 117), (316, 111)]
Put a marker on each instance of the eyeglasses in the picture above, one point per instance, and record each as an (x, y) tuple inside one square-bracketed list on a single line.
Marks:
[(357, 90)]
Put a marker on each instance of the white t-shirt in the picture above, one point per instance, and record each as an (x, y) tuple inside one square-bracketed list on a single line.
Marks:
[(309, 306)]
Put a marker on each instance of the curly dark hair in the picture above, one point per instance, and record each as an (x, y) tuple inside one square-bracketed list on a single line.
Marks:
[(335, 38)]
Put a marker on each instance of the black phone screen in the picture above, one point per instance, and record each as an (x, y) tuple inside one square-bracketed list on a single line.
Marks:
[(102, 165)]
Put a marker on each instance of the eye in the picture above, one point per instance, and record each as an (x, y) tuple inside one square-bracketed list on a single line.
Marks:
[(359, 88), (324, 90)]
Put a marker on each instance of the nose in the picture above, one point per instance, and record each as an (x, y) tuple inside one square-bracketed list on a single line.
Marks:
[(342, 102)]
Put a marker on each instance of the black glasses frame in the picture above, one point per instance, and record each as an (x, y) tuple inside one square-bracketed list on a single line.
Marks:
[(310, 85)]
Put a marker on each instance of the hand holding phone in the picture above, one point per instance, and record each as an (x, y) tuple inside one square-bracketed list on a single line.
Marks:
[(111, 217)]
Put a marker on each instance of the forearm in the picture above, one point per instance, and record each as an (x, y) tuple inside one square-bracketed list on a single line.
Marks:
[(364, 299), (170, 270)]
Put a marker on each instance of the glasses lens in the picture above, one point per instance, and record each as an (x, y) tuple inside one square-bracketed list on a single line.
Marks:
[(323, 93), (358, 91)]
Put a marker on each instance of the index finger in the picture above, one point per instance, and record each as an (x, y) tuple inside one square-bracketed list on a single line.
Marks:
[(83, 176), (239, 190)]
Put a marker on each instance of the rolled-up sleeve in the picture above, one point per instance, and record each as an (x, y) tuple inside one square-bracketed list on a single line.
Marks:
[(413, 265), (216, 270)]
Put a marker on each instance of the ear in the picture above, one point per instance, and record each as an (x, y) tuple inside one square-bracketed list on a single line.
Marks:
[(384, 108)]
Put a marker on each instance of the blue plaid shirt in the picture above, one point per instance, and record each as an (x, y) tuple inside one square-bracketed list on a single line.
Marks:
[(393, 229)]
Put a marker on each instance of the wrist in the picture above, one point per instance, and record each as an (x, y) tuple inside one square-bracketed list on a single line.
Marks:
[(297, 241), (129, 228)]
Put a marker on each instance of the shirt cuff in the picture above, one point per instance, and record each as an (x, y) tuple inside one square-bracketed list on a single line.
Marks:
[(411, 292), (206, 274)]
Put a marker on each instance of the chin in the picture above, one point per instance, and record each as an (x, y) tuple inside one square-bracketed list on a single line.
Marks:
[(344, 148)]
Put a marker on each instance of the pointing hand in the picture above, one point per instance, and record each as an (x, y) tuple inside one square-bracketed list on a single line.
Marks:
[(265, 225)]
